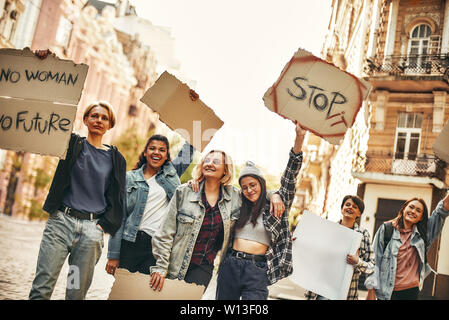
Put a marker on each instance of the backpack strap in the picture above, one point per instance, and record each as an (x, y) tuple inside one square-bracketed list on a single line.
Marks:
[(388, 233)]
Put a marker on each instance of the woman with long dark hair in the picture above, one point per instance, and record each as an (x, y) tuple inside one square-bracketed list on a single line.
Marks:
[(260, 253), (149, 188), (400, 248)]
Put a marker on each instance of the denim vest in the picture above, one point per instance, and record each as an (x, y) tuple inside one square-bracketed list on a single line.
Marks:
[(386, 258), (173, 244), (136, 199)]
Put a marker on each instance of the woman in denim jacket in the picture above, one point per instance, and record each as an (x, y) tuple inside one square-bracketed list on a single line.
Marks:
[(149, 188), (402, 264), (196, 225)]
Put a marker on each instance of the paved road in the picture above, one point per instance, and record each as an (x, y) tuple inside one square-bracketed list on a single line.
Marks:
[(19, 247)]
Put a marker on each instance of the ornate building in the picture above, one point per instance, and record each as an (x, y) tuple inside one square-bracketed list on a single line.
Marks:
[(401, 47), (326, 176), (120, 71)]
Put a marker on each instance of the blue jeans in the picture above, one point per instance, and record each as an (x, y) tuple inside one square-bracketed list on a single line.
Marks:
[(81, 241), (242, 278)]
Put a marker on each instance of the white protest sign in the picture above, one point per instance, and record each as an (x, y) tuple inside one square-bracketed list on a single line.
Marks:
[(38, 101), (193, 120), (319, 256), (136, 286), (322, 98), (441, 144)]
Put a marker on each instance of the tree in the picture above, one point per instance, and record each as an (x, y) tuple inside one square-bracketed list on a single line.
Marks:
[(130, 144)]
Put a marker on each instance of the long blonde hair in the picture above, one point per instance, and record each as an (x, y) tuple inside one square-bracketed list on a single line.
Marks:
[(197, 173)]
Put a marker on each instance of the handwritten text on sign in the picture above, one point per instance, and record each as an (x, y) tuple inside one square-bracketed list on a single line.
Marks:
[(322, 98), (13, 76), (25, 76), (38, 101), (33, 122), (24, 125)]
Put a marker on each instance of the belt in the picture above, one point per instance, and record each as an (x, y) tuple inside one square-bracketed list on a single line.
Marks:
[(247, 256), (78, 214)]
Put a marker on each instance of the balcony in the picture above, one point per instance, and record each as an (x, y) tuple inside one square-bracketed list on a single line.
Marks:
[(409, 73), (422, 165)]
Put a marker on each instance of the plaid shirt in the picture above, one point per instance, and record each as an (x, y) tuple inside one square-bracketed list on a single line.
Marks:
[(279, 254), (210, 237), (366, 265)]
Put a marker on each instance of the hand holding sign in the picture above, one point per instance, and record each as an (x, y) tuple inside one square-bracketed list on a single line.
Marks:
[(181, 109), (322, 98), (38, 100)]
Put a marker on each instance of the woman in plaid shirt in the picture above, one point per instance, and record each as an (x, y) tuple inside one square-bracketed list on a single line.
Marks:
[(261, 250), (363, 261)]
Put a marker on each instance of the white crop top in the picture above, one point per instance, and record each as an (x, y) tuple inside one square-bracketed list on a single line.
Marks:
[(256, 233)]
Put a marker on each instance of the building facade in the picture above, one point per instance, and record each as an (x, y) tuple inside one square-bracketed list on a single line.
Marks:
[(121, 69), (401, 47), (326, 176)]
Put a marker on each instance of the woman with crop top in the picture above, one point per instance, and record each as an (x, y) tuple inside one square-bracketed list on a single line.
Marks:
[(261, 248)]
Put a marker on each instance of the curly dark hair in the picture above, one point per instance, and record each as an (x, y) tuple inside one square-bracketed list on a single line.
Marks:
[(143, 160)]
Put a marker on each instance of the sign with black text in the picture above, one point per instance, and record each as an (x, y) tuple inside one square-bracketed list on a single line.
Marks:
[(322, 98), (38, 101)]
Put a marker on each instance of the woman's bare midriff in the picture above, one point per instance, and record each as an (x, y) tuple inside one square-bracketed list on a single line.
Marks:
[(248, 246)]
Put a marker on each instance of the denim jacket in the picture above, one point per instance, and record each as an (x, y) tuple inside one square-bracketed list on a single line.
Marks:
[(386, 258), (137, 192), (173, 244)]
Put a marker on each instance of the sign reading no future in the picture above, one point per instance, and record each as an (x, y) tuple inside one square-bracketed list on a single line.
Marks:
[(38, 101)]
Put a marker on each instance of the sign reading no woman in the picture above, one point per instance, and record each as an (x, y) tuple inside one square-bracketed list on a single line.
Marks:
[(322, 98), (38, 101)]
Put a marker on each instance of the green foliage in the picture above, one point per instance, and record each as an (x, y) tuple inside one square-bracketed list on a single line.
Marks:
[(187, 175), (42, 179), (130, 144), (36, 212)]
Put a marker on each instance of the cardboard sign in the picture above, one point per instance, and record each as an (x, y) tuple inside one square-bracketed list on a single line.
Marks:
[(38, 101), (25, 124), (319, 256), (441, 144), (25, 76), (135, 286), (193, 120), (322, 98)]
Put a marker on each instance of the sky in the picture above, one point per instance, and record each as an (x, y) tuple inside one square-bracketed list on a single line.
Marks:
[(234, 51)]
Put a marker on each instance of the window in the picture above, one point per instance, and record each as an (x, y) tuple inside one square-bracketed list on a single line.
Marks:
[(64, 31), (419, 46), (408, 134)]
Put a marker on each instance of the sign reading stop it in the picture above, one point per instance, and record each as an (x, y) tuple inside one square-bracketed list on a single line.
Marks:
[(322, 98)]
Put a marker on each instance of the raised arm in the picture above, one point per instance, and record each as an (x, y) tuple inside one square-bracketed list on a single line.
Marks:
[(288, 179), (436, 220), (184, 158)]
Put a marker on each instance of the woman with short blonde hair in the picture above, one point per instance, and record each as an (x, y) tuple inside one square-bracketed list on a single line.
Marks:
[(107, 106), (86, 199)]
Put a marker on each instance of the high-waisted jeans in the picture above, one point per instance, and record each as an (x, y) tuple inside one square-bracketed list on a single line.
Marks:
[(242, 278), (80, 240), (137, 256)]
